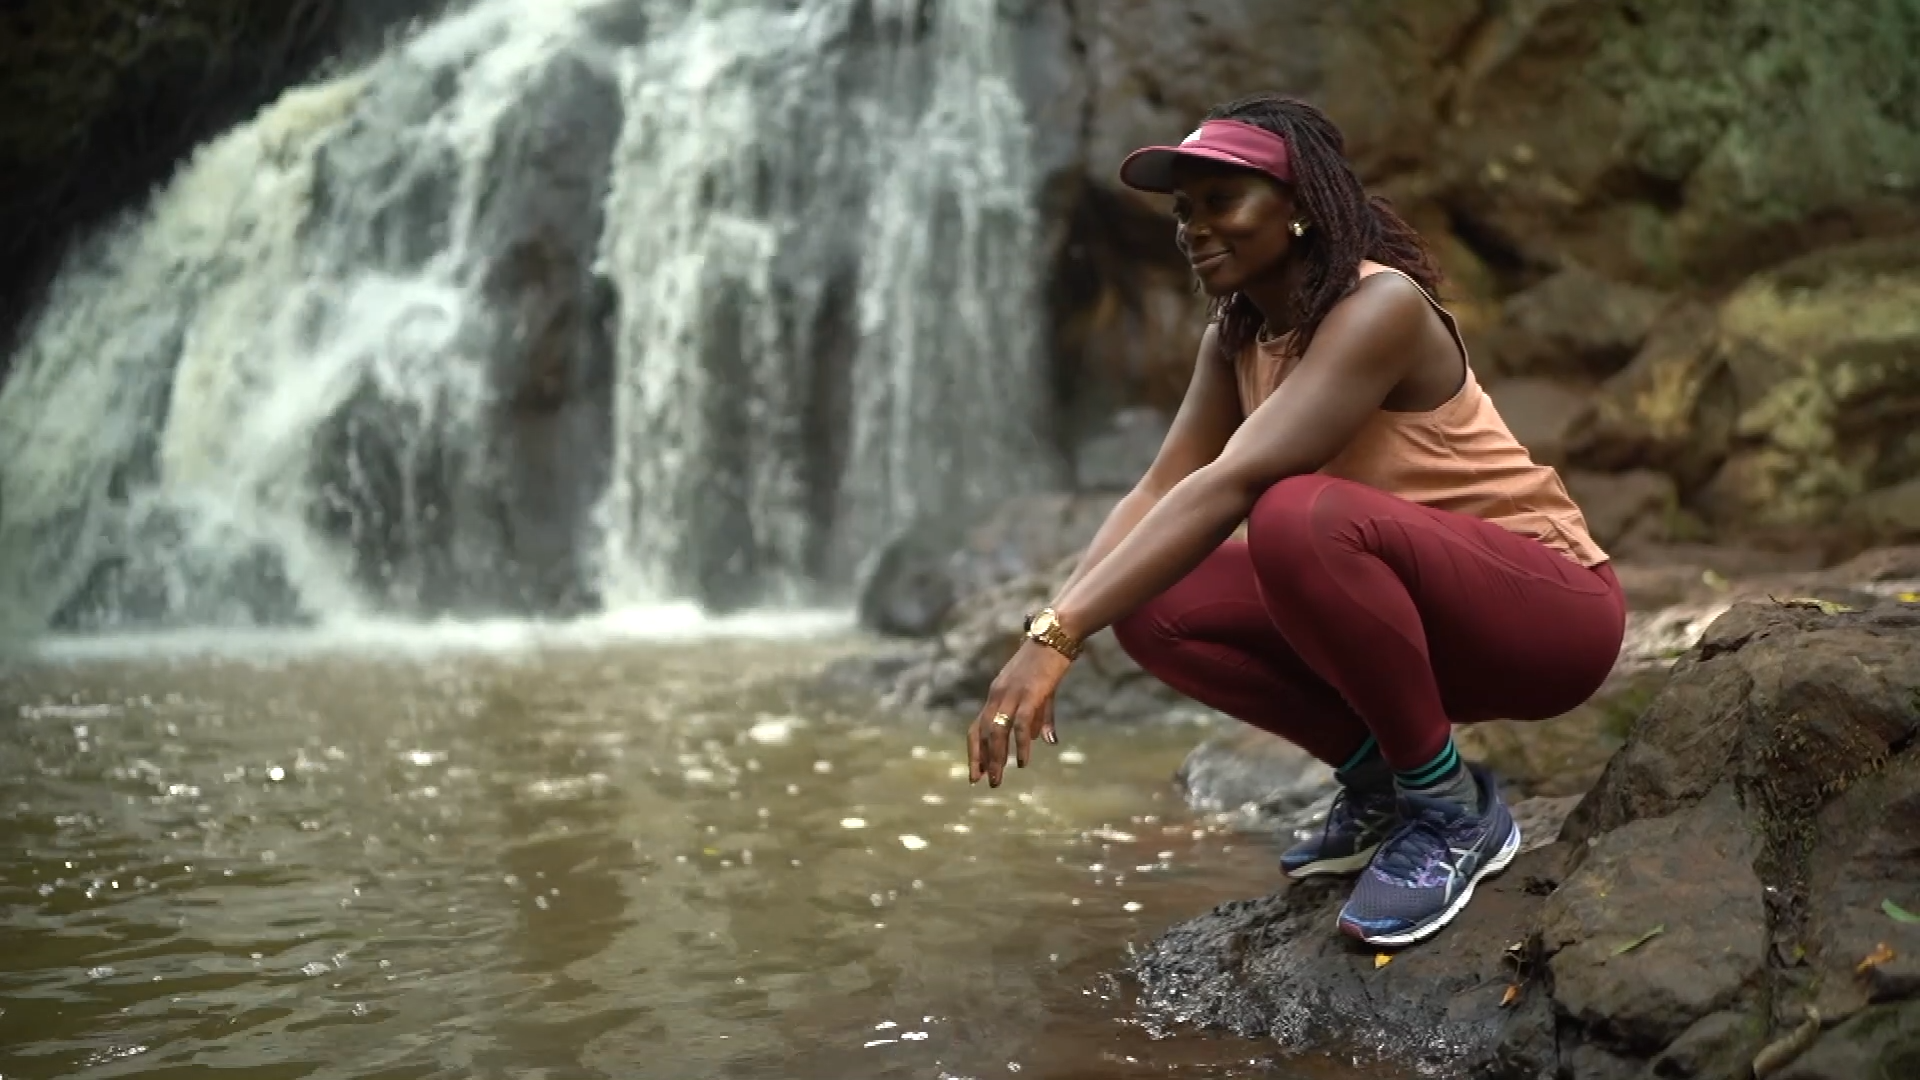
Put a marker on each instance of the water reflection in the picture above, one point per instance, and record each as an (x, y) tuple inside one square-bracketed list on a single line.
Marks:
[(646, 860)]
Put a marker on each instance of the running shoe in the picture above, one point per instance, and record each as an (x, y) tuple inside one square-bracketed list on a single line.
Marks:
[(1356, 824), (1424, 873)]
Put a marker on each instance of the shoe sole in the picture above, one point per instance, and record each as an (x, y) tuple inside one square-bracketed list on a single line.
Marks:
[(1346, 864), (1432, 926)]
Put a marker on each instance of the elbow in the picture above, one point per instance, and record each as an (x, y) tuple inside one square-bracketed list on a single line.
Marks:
[(1229, 491)]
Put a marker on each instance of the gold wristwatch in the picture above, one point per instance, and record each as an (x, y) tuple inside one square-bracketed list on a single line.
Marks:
[(1044, 627)]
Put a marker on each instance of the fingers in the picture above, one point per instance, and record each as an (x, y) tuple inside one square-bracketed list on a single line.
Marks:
[(973, 751), (1023, 729), (1046, 723), (999, 741)]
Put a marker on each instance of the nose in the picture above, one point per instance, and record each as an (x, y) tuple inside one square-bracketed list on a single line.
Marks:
[(1185, 234)]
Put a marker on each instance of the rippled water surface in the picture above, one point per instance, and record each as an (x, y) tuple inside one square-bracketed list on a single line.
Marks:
[(559, 856)]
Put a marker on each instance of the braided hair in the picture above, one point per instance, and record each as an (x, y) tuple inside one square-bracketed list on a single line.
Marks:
[(1345, 224)]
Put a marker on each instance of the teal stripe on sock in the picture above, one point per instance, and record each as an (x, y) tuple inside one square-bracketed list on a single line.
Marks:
[(1438, 769), (1360, 756)]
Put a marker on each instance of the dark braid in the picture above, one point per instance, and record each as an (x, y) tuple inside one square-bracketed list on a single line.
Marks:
[(1345, 225)]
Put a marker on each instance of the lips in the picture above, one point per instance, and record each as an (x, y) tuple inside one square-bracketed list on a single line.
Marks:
[(1208, 261)]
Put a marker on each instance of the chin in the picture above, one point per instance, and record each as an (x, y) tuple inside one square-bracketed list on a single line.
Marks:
[(1217, 286)]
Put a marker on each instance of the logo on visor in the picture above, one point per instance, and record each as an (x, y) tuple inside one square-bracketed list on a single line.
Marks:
[(1195, 137)]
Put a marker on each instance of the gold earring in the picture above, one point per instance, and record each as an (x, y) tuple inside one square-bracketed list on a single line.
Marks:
[(1297, 227)]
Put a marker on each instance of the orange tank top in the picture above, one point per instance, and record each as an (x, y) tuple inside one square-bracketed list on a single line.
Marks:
[(1459, 457)]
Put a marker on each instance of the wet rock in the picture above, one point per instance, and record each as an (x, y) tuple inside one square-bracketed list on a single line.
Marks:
[(1575, 323), (1726, 874), (1881, 1041), (911, 587), (1684, 885), (477, 502), (552, 357), (955, 669), (1720, 1044), (1256, 780), (1540, 413), (165, 565), (1277, 967)]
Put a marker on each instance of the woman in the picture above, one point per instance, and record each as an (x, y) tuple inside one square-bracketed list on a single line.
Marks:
[(1406, 564)]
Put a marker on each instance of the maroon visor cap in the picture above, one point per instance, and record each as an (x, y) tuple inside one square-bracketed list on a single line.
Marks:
[(1228, 142)]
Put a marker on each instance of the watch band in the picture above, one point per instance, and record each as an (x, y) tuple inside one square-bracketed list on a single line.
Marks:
[(1044, 627)]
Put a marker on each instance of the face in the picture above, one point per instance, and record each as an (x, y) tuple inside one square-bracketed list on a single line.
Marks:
[(1232, 224)]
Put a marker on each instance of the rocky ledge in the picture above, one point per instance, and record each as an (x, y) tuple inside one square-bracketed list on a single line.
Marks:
[(1731, 898)]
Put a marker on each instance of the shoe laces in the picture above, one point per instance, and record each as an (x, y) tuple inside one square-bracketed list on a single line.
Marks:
[(1422, 832), (1365, 810)]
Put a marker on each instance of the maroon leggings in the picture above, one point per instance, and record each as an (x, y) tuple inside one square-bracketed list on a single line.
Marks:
[(1349, 611)]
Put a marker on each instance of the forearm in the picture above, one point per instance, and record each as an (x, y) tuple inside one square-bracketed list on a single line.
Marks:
[(1121, 521), (1171, 538)]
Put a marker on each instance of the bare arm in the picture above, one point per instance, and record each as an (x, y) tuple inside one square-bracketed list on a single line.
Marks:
[(1207, 417), (1364, 349)]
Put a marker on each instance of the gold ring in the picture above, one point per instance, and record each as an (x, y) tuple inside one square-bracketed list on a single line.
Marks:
[(1002, 719)]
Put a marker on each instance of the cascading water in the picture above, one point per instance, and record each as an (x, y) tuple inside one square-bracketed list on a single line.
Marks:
[(560, 303)]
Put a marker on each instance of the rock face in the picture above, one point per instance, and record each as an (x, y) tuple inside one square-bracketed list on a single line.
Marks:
[(104, 98), (1593, 179), (1737, 870)]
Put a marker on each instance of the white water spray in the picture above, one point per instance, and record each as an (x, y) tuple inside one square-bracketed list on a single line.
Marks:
[(560, 303)]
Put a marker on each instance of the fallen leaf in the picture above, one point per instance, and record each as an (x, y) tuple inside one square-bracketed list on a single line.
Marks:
[(1641, 940), (1881, 954), (1381, 960), (1512, 995), (1899, 914), (1908, 597), (1824, 607), (1713, 580)]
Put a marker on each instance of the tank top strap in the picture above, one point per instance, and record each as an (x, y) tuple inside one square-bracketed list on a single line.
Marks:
[(1370, 268)]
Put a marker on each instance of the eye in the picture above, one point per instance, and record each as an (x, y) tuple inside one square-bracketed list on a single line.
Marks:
[(1218, 201), (1182, 210)]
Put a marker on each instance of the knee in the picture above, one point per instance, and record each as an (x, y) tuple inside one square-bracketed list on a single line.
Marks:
[(1145, 635), (1302, 527), (1137, 633), (1290, 516)]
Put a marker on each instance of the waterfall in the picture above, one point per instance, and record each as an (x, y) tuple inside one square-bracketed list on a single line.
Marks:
[(559, 304)]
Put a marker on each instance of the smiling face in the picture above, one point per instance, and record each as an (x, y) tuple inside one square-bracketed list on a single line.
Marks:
[(1232, 224)]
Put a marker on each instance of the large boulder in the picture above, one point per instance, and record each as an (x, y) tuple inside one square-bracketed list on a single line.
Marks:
[(1823, 357), (1734, 886), (938, 574), (955, 668), (1784, 406), (1575, 323)]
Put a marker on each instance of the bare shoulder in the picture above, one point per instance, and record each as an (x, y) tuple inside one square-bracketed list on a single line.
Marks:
[(1384, 314)]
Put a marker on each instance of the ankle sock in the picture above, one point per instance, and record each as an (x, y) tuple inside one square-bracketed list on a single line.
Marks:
[(1445, 777), (1366, 772)]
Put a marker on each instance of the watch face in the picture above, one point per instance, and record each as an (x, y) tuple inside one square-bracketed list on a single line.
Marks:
[(1043, 622)]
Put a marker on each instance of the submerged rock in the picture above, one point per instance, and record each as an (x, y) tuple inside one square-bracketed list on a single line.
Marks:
[(1727, 879), (1255, 780)]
